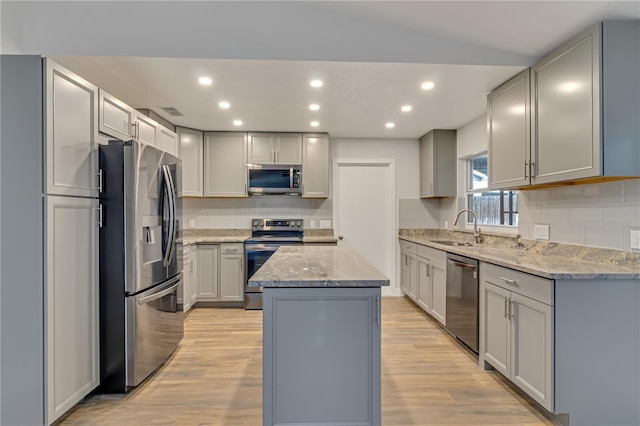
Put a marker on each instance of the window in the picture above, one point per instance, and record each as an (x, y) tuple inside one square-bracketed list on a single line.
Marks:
[(492, 207)]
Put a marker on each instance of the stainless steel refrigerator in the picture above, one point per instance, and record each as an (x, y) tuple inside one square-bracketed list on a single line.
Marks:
[(141, 318)]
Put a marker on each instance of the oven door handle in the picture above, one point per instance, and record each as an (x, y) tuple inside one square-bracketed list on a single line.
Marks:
[(261, 247)]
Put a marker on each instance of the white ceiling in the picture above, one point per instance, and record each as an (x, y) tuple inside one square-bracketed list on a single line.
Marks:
[(372, 56)]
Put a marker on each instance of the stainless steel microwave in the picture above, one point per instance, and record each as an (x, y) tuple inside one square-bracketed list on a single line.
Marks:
[(273, 179)]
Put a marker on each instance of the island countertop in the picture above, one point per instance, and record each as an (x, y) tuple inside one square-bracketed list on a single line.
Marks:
[(325, 266)]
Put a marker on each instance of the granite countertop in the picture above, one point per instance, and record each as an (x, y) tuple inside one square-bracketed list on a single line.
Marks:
[(545, 259), (324, 266)]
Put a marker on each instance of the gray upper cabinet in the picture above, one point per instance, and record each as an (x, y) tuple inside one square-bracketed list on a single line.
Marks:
[(120, 121), (584, 103), (566, 111), (275, 148), (438, 164), (168, 141), (191, 147), (116, 118), (72, 131), (509, 132), (315, 165), (288, 148), (225, 164)]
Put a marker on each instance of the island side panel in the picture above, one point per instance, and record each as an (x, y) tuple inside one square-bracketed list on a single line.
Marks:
[(598, 351), (321, 356)]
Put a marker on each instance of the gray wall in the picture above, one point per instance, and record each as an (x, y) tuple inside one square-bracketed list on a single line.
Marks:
[(21, 242)]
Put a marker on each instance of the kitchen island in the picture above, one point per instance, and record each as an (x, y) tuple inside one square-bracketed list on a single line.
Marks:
[(321, 337)]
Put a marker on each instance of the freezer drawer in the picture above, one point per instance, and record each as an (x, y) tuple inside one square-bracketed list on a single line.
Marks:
[(154, 329)]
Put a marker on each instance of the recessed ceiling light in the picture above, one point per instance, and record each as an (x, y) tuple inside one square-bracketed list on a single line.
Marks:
[(390, 125), (205, 81), (316, 83), (224, 104), (314, 107), (406, 108), (314, 124), (427, 85), (237, 122)]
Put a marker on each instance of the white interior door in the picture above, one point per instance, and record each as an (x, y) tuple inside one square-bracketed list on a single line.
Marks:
[(364, 211)]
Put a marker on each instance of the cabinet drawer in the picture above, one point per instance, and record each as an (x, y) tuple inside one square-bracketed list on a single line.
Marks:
[(231, 248), (407, 246), (434, 255), (537, 288)]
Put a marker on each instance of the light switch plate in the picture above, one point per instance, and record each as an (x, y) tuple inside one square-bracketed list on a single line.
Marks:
[(541, 232), (635, 239), (192, 223), (325, 223)]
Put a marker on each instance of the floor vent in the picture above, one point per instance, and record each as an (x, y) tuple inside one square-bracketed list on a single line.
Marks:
[(172, 111)]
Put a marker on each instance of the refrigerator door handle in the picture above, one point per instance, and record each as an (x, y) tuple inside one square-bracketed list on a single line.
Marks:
[(160, 294), (174, 194), (169, 192)]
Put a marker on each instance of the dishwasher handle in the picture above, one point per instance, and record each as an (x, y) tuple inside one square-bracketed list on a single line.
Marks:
[(461, 264)]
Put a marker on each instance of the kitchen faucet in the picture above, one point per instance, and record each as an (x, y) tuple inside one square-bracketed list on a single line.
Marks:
[(477, 237)]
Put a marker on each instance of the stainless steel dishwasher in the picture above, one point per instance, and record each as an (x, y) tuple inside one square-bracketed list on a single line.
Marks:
[(462, 299)]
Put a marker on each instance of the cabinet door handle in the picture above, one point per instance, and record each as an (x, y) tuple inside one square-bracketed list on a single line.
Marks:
[(133, 129), (506, 307), (431, 188), (526, 166), (512, 308), (531, 168)]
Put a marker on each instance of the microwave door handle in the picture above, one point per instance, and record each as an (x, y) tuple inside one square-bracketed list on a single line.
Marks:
[(291, 178)]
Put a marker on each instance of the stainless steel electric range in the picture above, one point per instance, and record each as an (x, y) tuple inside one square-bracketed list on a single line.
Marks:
[(266, 236)]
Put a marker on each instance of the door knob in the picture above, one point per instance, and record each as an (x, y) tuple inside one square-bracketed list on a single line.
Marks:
[(340, 237)]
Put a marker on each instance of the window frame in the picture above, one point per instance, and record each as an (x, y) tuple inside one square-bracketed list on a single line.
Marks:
[(511, 212)]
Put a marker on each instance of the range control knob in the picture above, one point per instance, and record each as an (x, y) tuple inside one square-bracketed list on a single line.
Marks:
[(292, 223), (255, 222), (299, 223)]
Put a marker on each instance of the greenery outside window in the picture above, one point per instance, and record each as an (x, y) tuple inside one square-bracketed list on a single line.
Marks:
[(492, 207)]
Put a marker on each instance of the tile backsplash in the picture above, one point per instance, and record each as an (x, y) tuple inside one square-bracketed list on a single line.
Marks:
[(418, 213), (600, 215), (230, 213)]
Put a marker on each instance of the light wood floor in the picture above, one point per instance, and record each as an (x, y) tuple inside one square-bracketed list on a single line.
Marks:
[(215, 378)]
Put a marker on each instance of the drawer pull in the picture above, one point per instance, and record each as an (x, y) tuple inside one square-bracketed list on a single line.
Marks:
[(509, 281)]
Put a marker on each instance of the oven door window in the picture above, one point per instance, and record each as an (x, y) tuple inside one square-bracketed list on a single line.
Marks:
[(256, 258)]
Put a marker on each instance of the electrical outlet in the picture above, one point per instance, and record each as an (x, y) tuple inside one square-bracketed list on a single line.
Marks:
[(192, 223), (312, 223), (446, 224), (635, 239), (541, 232)]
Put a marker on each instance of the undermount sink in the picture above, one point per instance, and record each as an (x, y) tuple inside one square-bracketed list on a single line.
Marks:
[(451, 243)]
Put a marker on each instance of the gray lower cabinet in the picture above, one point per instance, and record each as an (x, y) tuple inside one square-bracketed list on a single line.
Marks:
[(225, 164), (220, 273), (232, 273), (516, 329), (437, 150), (423, 278), (72, 339), (208, 255), (186, 278), (408, 274), (315, 165), (321, 356)]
